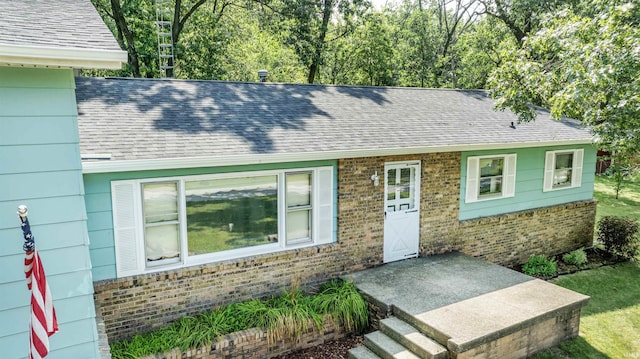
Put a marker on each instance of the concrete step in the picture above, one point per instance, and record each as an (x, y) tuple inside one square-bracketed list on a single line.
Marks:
[(387, 348), (362, 352), (411, 338), (429, 331)]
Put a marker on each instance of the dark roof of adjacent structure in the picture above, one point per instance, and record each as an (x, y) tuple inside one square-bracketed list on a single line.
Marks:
[(54, 24), (146, 120)]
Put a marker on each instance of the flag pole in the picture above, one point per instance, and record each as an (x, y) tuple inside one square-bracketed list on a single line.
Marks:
[(29, 242), (43, 322)]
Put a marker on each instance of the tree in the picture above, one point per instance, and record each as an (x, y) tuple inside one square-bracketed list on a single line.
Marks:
[(454, 18), (427, 38), (417, 43), (373, 52), (310, 24), (252, 48), (133, 24), (623, 165), (479, 51), (521, 17), (133, 19), (583, 65)]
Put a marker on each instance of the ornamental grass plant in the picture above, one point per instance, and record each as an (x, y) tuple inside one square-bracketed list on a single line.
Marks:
[(344, 303), (284, 316)]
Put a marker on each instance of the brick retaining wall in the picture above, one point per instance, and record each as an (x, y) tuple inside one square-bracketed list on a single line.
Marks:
[(144, 302), (254, 343)]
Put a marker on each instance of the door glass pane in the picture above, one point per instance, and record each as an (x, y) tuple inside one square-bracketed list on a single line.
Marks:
[(405, 182), (391, 184), (298, 189), (232, 213), (400, 189), (160, 202), (298, 225), (161, 242)]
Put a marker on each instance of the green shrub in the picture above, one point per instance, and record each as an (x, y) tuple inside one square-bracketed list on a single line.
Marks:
[(539, 266), (619, 235), (577, 257)]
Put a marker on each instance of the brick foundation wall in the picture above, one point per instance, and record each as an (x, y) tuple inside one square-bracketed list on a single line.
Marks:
[(144, 302), (510, 239), (141, 303)]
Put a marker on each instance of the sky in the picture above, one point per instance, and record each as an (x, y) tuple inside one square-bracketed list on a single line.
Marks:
[(379, 4)]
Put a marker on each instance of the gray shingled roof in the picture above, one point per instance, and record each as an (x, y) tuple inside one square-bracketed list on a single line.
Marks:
[(54, 23), (136, 119)]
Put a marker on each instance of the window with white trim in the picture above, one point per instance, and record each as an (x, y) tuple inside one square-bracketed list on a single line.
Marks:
[(161, 222), (563, 169), (490, 177), (173, 222)]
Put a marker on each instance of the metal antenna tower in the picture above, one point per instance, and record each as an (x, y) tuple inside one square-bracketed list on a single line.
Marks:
[(165, 40)]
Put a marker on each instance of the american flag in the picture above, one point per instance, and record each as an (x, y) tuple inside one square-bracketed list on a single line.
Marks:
[(43, 322)]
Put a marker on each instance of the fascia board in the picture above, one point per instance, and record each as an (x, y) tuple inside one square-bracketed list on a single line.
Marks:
[(22, 55), (216, 161)]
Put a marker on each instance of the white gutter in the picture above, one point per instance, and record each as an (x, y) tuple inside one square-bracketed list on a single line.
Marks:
[(252, 159), (29, 55)]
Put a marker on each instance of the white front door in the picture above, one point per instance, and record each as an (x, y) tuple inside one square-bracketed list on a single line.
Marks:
[(401, 210)]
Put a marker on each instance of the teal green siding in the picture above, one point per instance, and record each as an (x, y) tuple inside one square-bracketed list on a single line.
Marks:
[(98, 203), (40, 167), (529, 182)]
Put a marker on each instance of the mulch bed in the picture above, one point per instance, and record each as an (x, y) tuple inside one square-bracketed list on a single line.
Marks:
[(596, 257), (334, 349)]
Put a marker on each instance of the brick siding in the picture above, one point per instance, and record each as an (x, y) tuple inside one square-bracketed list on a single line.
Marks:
[(144, 302)]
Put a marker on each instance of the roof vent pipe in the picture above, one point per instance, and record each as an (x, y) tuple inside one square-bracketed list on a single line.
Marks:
[(263, 75)]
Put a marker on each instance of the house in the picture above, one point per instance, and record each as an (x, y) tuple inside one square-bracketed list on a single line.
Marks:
[(41, 43), (199, 193), (152, 199)]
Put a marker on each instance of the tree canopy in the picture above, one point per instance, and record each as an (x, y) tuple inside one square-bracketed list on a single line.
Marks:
[(577, 58), (584, 63)]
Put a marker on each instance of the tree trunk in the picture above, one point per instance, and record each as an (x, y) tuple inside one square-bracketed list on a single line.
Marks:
[(121, 24), (326, 16)]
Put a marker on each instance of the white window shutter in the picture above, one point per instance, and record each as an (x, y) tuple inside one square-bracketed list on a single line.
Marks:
[(549, 166), (473, 173), (576, 172), (124, 197), (324, 205), (509, 176)]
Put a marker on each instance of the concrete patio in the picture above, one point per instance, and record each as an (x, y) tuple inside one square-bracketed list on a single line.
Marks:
[(456, 306)]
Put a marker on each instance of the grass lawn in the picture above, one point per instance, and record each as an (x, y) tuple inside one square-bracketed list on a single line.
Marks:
[(628, 204), (610, 323)]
